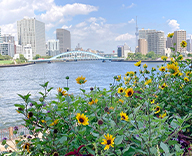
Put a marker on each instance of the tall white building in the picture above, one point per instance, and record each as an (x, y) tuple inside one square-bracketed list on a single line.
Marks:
[(53, 47), (155, 40), (64, 38), (8, 38), (178, 37), (188, 45), (32, 31), (7, 48)]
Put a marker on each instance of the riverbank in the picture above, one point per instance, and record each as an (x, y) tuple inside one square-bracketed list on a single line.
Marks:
[(15, 65)]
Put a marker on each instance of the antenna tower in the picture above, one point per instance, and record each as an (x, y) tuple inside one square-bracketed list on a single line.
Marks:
[(136, 33)]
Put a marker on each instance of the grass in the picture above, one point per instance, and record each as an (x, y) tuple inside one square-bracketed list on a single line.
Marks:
[(3, 62)]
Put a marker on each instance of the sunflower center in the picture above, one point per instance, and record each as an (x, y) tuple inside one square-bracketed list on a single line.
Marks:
[(123, 116), (129, 93), (163, 86), (157, 109), (121, 90), (108, 142), (81, 120)]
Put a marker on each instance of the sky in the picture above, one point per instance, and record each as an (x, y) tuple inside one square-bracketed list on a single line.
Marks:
[(99, 24)]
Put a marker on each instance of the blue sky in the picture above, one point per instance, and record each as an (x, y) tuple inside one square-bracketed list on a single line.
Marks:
[(99, 24)]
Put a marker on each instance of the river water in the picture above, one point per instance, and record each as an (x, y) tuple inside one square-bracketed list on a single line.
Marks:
[(26, 79)]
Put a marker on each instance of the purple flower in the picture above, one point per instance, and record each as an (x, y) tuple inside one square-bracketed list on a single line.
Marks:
[(144, 126), (16, 128), (44, 104), (48, 111), (29, 137), (30, 104), (4, 138), (137, 135)]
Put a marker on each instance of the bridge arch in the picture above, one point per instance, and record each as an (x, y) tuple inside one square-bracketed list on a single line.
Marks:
[(77, 55)]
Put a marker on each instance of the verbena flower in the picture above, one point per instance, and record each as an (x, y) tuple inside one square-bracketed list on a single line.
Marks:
[(164, 58), (138, 64), (129, 92), (148, 82), (82, 119), (81, 80), (183, 44), (120, 90), (124, 116), (162, 69), (108, 141), (16, 128), (170, 35)]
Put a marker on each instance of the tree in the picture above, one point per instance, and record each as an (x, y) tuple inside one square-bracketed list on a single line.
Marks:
[(22, 58), (130, 56), (37, 56), (150, 54), (138, 55)]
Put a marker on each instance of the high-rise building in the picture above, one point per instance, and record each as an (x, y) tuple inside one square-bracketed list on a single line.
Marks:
[(155, 40), (64, 38), (143, 46), (0, 36), (32, 31), (7, 49), (136, 33), (188, 45), (53, 47), (120, 51), (8, 38), (169, 42), (178, 37)]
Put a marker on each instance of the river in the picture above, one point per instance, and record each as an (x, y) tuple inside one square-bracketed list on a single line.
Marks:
[(26, 79)]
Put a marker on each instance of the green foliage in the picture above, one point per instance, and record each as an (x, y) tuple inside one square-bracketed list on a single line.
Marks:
[(150, 54), (157, 112)]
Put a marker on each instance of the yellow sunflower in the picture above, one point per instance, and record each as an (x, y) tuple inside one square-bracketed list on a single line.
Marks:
[(54, 122), (162, 69), (64, 93), (157, 109), (118, 78), (81, 80), (188, 73), (152, 101), (108, 141), (163, 86), (173, 69), (164, 58), (163, 115), (186, 79), (124, 116), (26, 147), (93, 101), (138, 63), (59, 90), (170, 35), (131, 73), (180, 57), (127, 74), (120, 100), (82, 119), (148, 81), (129, 92), (183, 44), (145, 66), (120, 90)]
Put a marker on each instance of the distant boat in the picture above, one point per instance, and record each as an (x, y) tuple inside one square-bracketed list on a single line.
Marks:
[(103, 61)]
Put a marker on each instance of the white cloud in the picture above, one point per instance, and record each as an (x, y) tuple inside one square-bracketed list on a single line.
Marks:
[(9, 29), (131, 21), (66, 27), (173, 24), (132, 5), (82, 24), (124, 37)]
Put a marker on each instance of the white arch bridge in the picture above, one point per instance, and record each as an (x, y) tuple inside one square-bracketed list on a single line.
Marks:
[(75, 56)]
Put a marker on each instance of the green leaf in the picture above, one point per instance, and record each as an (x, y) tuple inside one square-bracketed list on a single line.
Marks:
[(118, 140), (50, 89), (63, 139), (66, 88), (90, 150), (130, 152), (164, 147)]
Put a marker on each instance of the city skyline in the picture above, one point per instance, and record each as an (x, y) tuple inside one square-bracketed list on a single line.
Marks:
[(98, 25)]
